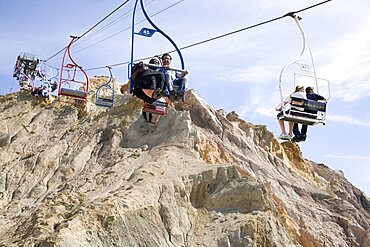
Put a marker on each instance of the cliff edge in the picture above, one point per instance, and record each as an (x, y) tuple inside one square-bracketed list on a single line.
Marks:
[(200, 177)]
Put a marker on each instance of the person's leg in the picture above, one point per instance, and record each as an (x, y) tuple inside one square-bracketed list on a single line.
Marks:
[(304, 132), (168, 82), (169, 86), (152, 82), (143, 95), (283, 134), (304, 129), (160, 82), (296, 130), (282, 126), (290, 133), (182, 84), (155, 118)]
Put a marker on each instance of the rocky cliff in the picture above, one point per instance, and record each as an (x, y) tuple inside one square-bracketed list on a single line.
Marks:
[(200, 177)]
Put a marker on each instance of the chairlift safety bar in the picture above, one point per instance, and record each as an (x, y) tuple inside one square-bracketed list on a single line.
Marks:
[(160, 66), (317, 79)]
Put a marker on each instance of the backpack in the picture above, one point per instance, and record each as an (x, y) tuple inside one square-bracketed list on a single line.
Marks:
[(141, 75)]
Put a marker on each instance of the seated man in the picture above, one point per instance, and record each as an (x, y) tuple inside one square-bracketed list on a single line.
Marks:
[(174, 79), (302, 135)]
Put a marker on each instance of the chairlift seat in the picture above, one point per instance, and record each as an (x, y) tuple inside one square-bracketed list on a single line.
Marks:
[(104, 101), (308, 104), (301, 119), (69, 73), (28, 57), (73, 93), (309, 115)]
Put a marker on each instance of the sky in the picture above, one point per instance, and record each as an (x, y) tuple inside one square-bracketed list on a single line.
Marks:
[(238, 72)]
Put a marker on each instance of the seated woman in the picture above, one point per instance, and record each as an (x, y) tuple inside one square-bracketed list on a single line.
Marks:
[(148, 83), (285, 106)]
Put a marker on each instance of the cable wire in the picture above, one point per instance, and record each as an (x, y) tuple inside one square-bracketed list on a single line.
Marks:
[(128, 27), (250, 27), (111, 13), (91, 28), (220, 36), (110, 24)]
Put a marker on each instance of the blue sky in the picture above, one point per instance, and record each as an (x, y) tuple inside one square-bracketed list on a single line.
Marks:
[(239, 72)]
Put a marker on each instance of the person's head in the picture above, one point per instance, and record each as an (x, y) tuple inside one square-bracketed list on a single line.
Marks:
[(309, 89), (166, 59), (299, 88), (154, 60)]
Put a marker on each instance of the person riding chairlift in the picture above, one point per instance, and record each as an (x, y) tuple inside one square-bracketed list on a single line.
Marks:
[(285, 105), (172, 78), (148, 83), (300, 136)]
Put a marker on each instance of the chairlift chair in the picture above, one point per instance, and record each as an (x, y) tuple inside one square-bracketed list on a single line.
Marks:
[(105, 93), (304, 116), (25, 69), (147, 32), (72, 75)]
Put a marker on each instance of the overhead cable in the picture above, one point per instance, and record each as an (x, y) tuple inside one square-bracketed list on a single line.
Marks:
[(250, 27), (223, 35), (128, 27), (110, 24)]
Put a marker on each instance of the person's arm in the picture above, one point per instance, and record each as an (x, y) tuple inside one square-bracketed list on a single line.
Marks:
[(321, 97), (281, 105), (318, 97), (182, 74)]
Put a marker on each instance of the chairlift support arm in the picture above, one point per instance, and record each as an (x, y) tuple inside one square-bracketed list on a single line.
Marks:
[(75, 66), (304, 42), (156, 29), (163, 33)]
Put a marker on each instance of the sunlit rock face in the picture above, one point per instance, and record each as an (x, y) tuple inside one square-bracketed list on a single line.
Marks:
[(200, 177)]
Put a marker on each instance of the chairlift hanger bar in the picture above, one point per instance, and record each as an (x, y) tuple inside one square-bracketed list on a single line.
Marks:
[(304, 39), (156, 28)]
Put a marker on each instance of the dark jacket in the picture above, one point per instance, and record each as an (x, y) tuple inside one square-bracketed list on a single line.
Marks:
[(145, 78), (314, 96)]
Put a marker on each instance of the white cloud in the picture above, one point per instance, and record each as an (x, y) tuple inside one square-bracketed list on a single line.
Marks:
[(348, 157), (348, 120), (266, 109), (348, 67)]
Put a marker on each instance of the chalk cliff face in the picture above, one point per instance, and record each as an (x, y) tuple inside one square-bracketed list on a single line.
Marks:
[(200, 177)]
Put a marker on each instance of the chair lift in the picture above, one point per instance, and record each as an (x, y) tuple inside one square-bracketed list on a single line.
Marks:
[(54, 81), (73, 82), (303, 117), (105, 93), (49, 81), (25, 69), (158, 107)]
